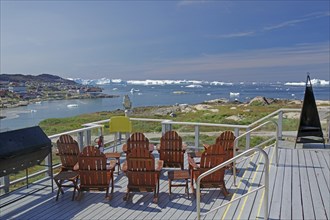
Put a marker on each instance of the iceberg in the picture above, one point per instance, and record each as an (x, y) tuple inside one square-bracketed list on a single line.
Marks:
[(234, 94), (194, 86), (315, 82)]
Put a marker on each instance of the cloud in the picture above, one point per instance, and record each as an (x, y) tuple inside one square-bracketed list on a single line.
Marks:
[(296, 57), (233, 35), (284, 24), (289, 23)]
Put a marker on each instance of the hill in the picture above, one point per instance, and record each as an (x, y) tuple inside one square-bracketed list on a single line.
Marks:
[(42, 78)]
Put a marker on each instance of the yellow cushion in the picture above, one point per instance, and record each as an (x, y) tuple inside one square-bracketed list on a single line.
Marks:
[(120, 124)]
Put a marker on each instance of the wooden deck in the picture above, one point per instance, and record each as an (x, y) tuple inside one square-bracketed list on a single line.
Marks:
[(299, 189)]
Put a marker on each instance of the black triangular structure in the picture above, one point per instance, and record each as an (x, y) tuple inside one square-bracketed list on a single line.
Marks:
[(310, 130)]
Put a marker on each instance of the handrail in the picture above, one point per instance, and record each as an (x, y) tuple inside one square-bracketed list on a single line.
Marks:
[(248, 132), (75, 131), (273, 114), (266, 181)]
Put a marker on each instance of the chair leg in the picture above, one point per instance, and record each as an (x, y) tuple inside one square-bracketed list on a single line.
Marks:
[(112, 183), (107, 193), (126, 197), (192, 183), (155, 200), (224, 189)]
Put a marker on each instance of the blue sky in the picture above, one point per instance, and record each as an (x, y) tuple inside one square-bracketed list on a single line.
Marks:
[(229, 41)]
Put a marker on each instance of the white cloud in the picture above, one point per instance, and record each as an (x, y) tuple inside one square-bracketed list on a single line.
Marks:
[(233, 35), (284, 24), (289, 57), (308, 17)]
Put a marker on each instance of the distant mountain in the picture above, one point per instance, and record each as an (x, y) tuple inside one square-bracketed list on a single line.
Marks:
[(45, 78)]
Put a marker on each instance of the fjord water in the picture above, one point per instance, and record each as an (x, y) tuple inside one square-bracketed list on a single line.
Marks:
[(150, 95)]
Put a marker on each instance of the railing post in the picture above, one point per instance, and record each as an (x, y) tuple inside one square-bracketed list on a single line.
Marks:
[(198, 200), (266, 184), (88, 137), (279, 123), (197, 136), (5, 181), (276, 144), (49, 165), (166, 126), (248, 139), (80, 140), (236, 132)]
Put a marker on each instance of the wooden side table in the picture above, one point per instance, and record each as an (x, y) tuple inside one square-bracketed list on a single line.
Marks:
[(116, 156), (63, 176), (178, 175)]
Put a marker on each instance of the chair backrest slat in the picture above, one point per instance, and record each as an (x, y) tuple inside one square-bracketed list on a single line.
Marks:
[(171, 150), (226, 140), (68, 151)]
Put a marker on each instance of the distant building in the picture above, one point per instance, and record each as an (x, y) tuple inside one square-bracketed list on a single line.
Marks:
[(18, 89), (94, 91)]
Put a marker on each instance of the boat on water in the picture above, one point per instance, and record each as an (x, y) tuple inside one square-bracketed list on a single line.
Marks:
[(72, 106)]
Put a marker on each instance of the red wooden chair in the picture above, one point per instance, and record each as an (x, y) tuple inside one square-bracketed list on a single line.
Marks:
[(68, 150), (94, 172), (140, 168), (137, 140), (171, 150), (211, 157), (226, 140)]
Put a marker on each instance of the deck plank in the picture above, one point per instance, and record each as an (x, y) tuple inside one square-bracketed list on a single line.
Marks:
[(317, 200), (308, 211), (244, 208), (255, 180), (321, 179), (286, 212), (242, 187), (276, 199), (296, 187), (257, 211), (309, 187), (324, 162), (241, 166)]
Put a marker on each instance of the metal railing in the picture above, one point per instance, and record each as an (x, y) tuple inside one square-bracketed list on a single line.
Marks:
[(265, 186), (84, 134), (233, 161), (250, 131)]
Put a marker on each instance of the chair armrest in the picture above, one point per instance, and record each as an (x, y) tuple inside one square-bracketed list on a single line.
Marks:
[(206, 146), (160, 164), (124, 148), (111, 165), (192, 163)]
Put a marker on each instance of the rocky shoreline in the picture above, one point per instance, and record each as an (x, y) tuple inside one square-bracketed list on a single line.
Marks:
[(209, 106)]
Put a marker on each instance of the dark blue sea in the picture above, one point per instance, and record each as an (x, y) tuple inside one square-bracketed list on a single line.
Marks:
[(150, 94)]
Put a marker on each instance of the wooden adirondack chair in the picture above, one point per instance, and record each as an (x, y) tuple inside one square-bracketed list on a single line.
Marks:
[(211, 157), (226, 140), (137, 140), (68, 150), (171, 150), (94, 172), (141, 172)]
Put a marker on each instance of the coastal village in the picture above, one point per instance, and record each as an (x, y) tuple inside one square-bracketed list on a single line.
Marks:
[(20, 90)]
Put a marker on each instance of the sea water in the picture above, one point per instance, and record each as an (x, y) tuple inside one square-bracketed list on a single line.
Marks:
[(155, 94)]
